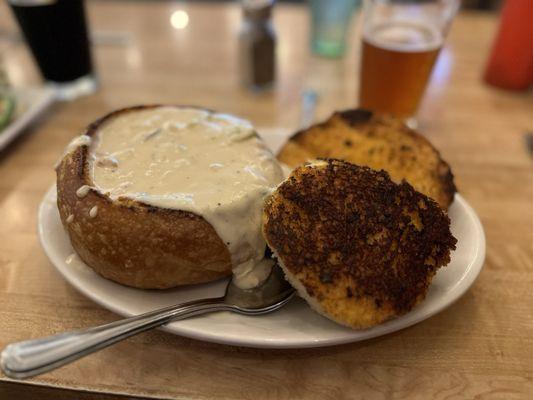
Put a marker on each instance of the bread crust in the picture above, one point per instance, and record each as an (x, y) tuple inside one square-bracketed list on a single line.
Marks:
[(131, 242), (379, 142), (359, 248)]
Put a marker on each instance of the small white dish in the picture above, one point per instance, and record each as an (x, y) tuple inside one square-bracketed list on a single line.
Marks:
[(296, 325), (33, 102)]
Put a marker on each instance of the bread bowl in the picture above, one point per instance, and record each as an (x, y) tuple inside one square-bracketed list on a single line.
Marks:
[(178, 209)]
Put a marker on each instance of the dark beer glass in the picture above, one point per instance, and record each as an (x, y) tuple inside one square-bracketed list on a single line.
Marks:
[(56, 31)]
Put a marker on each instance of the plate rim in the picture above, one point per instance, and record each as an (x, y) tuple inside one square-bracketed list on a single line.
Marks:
[(468, 278), (42, 97)]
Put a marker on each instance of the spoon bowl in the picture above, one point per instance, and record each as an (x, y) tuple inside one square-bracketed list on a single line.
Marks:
[(274, 290)]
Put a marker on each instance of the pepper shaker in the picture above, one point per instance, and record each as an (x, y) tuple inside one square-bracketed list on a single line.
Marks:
[(257, 44)]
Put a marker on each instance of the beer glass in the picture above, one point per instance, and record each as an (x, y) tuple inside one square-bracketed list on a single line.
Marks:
[(56, 32), (401, 41)]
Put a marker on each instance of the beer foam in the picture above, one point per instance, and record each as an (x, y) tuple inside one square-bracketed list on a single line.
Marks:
[(404, 36)]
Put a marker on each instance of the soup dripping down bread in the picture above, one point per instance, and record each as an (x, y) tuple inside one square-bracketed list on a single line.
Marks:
[(163, 196)]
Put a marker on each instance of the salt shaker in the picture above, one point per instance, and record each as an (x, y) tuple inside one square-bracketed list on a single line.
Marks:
[(257, 44)]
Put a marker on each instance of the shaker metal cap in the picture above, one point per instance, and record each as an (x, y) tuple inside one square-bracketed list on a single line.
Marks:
[(257, 9)]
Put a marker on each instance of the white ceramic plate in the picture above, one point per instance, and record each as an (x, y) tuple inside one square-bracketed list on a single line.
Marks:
[(33, 102), (294, 326)]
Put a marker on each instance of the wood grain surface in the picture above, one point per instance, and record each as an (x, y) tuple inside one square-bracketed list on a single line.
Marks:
[(481, 347)]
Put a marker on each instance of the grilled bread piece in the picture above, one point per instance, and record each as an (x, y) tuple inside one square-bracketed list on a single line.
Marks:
[(359, 248), (384, 143)]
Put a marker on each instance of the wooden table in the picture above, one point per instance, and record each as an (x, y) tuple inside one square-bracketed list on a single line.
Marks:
[(480, 347)]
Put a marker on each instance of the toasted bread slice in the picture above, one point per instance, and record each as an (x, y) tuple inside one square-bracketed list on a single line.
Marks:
[(358, 247), (384, 143)]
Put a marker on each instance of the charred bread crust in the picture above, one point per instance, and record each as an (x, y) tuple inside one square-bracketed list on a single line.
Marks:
[(355, 116), (360, 248), (130, 242), (408, 155)]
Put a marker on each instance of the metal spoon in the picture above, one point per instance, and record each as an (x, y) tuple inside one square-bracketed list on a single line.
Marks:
[(33, 357)]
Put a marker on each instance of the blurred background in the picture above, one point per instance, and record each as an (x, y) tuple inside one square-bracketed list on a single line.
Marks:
[(217, 54)]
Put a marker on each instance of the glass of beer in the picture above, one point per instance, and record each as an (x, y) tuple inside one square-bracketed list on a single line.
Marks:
[(56, 31), (401, 41)]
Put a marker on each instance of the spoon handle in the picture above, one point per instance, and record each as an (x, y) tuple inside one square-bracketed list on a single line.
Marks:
[(33, 357)]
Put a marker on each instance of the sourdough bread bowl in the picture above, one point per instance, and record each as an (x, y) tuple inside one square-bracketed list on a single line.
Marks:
[(131, 215)]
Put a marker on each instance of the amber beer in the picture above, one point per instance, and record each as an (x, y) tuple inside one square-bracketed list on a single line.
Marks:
[(397, 60)]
